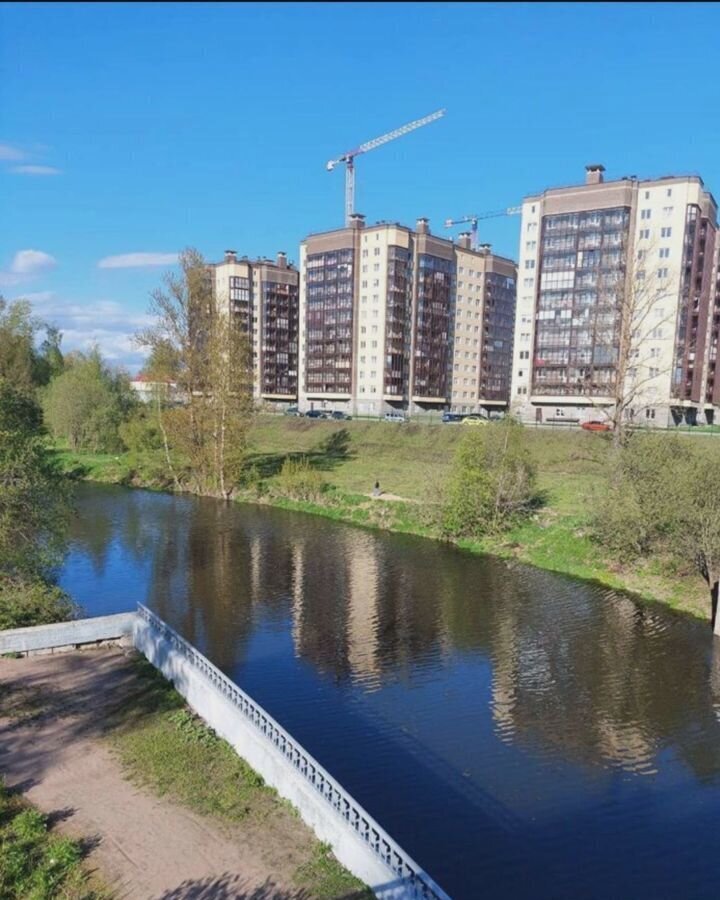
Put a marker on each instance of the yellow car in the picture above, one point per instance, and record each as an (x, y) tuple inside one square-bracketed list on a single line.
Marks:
[(474, 420)]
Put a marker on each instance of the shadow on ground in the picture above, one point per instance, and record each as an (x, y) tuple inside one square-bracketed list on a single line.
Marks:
[(331, 452)]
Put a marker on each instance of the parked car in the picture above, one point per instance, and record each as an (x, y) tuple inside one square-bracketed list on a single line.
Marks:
[(474, 420), (292, 411), (450, 418), (395, 417), (340, 416), (316, 414), (596, 426)]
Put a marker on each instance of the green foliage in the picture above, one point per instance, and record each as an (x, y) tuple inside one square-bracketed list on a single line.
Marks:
[(299, 481), (664, 500), (141, 432), (87, 404), (33, 494), (20, 362), (35, 864), (492, 484), (28, 601), (635, 515)]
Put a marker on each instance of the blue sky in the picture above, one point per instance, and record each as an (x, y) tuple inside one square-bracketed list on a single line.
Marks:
[(144, 128)]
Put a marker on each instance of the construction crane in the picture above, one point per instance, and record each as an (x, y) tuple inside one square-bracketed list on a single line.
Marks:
[(349, 158), (475, 218)]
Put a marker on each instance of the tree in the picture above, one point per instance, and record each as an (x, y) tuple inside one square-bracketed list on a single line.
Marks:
[(205, 349), (20, 361), (664, 500), (33, 515), (633, 309), (492, 483), (87, 403)]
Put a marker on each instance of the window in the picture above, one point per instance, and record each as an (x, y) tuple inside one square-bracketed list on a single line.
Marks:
[(649, 413), (654, 352), (522, 390), (662, 273), (364, 284), (644, 234), (520, 373), (528, 282), (364, 268), (654, 373), (669, 192), (666, 232), (641, 255), (667, 211), (524, 354), (364, 253), (659, 312), (376, 251), (529, 263), (656, 333), (559, 413), (530, 245), (525, 337), (376, 267), (532, 226), (644, 213), (664, 252), (647, 195)]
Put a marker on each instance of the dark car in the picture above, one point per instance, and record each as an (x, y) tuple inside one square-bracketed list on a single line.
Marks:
[(315, 414), (340, 415), (292, 411), (450, 418)]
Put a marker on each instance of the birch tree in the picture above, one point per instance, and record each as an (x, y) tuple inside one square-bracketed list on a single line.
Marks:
[(206, 352)]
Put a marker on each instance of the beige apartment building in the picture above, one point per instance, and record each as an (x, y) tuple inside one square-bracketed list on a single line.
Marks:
[(589, 252), (264, 295), (395, 319)]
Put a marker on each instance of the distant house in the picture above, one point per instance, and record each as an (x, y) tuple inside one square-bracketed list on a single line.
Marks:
[(148, 387)]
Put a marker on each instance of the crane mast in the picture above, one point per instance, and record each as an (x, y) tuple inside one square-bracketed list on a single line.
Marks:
[(349, 157), (474, 218)]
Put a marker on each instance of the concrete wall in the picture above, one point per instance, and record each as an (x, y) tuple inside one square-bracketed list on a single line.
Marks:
[(357, 840), (67, 635)]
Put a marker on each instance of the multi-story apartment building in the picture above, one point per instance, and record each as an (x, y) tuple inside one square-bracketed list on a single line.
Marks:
[(264, 296), (396, 319), (617, 297)]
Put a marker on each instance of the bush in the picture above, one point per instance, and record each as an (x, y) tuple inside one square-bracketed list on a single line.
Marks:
[(492, 484), (298, 480), (635, 515), (87, 403), (141, 432), (28, 601)]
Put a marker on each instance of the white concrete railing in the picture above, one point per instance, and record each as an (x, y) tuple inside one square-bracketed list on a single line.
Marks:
[(74, 633), (358, 841)]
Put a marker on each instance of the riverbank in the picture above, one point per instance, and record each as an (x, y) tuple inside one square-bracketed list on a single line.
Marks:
[(159, 804), (411, 463)]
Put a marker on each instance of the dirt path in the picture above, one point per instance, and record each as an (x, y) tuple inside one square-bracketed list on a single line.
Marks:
[(51, 747)]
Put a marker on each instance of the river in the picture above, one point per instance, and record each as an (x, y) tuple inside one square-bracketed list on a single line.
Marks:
[(521, 734)]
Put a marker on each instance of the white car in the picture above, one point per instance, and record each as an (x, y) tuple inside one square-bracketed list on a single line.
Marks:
[(395, 417)]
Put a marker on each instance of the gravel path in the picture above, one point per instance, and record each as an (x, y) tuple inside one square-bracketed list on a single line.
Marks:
[(52, 748)]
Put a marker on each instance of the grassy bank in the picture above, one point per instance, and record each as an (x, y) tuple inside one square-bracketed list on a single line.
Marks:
[(411, 463), (165, 748)]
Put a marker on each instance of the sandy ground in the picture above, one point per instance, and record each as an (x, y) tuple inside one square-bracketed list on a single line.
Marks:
[(141, 845)]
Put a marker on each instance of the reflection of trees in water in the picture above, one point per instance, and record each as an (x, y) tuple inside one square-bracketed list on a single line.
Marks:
[(585, 673)]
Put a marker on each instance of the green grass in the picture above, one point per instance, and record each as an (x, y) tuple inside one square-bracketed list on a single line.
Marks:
[(35, 863), (412, 461), (326, 879), (166, 748)]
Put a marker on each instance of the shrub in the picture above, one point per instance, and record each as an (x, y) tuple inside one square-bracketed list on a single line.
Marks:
[(298, 480), (28, 601), (492, 484)]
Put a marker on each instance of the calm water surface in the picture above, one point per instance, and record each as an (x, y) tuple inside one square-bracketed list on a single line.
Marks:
[(522, 735)]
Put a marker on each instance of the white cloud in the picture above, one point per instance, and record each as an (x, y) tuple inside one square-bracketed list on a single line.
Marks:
[(26, 265), (137, 260), (35, 170), (31, 262), (10, 154), (106, 323)]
